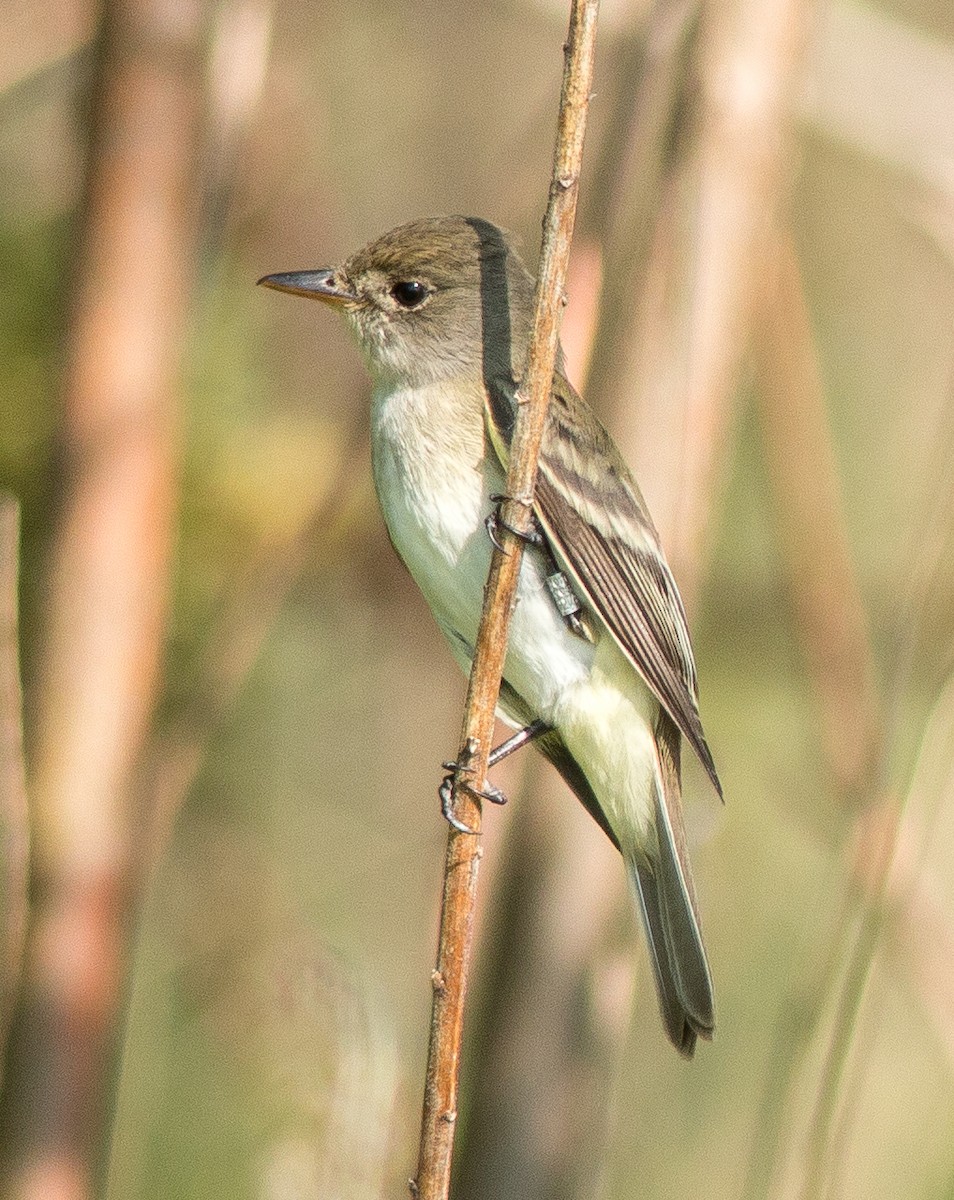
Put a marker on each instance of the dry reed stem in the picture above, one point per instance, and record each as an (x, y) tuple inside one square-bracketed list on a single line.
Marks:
[(830, 615), (858, 736), (887, 860), (557, 979), (14, 816), (108, 585), (463, 849), (705, 265), (832, 629), (632, 182)]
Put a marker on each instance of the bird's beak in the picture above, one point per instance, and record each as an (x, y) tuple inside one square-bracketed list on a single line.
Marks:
[(317, 285)]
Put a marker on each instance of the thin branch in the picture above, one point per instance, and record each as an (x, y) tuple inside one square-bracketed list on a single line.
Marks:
[(14, 820), (463, 850)]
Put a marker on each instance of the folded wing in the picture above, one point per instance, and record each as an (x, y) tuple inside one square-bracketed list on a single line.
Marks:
[(596, 522)]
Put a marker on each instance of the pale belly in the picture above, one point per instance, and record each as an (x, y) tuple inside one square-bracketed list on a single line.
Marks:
[(438, 529), (590, 693)]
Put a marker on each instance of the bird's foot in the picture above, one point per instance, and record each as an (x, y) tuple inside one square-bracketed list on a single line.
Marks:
[(446, 792), (495, 522), (489, 792)]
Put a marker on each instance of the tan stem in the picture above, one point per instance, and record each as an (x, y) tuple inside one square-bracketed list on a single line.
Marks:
[(463, 849)]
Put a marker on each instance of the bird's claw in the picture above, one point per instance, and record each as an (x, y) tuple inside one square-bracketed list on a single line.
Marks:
[(494, 521), (446, 792)]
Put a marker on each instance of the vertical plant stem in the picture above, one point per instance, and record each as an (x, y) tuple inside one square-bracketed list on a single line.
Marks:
[(101, 648), (14, 820), (829, 609), (832, 627), (463, 849)]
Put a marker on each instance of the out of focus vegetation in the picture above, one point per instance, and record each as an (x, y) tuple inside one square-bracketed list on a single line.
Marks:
[(268, 839)]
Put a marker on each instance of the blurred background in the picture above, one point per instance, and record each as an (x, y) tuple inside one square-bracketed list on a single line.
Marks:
[(221, 861)]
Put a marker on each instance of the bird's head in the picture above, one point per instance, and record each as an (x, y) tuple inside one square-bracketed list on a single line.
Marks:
[(433, 299)]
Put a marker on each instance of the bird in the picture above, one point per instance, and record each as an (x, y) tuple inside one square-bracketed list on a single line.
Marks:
[(599, 670)]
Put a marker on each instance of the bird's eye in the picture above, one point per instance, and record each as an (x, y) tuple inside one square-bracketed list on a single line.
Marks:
[(409, 293)]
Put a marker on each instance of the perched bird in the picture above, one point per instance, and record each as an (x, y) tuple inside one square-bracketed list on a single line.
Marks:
[(599, 666)]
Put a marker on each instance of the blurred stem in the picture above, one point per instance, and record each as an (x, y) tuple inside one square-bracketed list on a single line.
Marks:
[(790, 1035), (876, 874), (832, 629), (818, 1156), (463, 849), (888, 877), (635, 169), (670, 372), (836, 644), (14, 816), (829, 611), (107, 587)]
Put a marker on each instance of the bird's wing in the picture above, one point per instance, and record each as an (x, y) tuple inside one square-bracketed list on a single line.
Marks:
[(596, 523)]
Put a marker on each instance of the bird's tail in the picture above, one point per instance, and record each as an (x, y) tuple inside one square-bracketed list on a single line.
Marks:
[(667, 902)]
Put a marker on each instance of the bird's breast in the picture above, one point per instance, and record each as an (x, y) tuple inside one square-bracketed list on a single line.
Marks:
[(433, 481), (434, 476)]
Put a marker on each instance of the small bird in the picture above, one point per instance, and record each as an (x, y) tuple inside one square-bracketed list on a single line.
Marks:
[(599, 668)]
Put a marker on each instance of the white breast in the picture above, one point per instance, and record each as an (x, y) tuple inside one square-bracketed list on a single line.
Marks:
[(434, 483), (430, 478)]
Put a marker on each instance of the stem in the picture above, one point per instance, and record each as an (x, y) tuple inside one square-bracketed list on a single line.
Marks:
[(463, 849), (14, 817), (102, 640)]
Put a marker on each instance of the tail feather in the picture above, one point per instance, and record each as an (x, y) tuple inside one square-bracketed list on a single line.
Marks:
[(680, 923), (668, 905), (663, 884), (679, 1028)]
